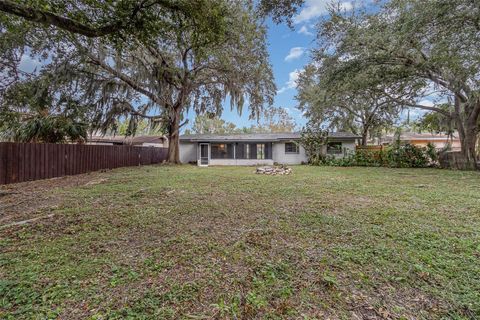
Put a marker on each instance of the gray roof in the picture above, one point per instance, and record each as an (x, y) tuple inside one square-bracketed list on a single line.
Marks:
[(137, 140), (267, 137)]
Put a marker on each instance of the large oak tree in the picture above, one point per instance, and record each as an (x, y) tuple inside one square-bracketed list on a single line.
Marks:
[(143, 59), (184, 69), (343, 106), (425, 49)]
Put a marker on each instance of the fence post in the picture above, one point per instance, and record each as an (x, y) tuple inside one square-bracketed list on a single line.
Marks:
[(3, 163)]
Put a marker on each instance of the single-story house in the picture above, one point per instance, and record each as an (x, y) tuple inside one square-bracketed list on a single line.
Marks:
[(256, 148), (139, 141)]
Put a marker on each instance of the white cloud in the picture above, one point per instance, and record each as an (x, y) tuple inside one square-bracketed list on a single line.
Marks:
[(304, 30), (295, 53), (427, 103), (347, 6), (281, 90), (316, 8), (292, 81), (293, 78)]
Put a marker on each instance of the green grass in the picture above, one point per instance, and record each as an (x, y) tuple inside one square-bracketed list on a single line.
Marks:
[(170, 242)]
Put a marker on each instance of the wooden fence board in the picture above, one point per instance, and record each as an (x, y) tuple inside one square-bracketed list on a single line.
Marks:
[(34, 161), (3, 163)]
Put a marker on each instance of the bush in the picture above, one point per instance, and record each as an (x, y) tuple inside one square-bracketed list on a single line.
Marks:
[(369, 158), (433, 155), (396, 156), (406, 156), (347, 161)]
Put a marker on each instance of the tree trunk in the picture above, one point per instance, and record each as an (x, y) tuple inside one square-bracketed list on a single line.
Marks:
[(366, 127), (469, 146), (173, 137), (468, 133), (364, 137)]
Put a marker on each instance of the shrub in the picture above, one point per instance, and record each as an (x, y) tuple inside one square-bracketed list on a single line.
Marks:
[(432, 155), (347, 161), (397, 155), (369, 158), (406, 156)]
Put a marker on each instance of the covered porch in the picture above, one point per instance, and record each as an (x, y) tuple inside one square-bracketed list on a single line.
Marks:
[(234, 153)]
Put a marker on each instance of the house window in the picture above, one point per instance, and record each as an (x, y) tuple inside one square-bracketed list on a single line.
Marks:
[(291, 147), (334, 148), (222, 151), (253, 151), (247, 151), (260, 151)]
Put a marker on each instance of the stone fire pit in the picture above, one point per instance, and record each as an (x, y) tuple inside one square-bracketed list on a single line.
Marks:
[(276, 170)]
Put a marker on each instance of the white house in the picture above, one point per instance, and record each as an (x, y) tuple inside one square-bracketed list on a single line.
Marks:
[(256, 148)]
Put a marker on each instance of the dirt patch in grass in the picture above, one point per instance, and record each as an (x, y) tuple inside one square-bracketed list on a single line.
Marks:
[(22, 201)]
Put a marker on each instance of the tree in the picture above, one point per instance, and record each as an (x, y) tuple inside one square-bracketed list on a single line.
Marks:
[(127, 17), (274, 119), (342, 107), (42, 28), (30, 112), (94, 19), (142, 127), (411, 50), (95, 45), (211, 124), (39, 28), (314, 139), (182, 70), (435, 122)]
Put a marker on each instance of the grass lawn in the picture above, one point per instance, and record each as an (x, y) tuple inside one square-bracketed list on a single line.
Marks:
[(170, 242)]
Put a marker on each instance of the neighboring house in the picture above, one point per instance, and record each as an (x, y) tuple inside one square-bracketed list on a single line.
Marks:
[(440, 141), (140, 141), (256, 148)]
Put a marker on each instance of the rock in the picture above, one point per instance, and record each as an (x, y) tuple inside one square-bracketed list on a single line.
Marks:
[(276, 170)]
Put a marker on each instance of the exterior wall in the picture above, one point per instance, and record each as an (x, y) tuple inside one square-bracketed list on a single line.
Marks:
[(240, 162), (439, 144), (348, 147), (280, 156), (188, 152)]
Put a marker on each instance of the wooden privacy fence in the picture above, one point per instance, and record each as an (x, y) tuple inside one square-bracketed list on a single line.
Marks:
[(34, 161)]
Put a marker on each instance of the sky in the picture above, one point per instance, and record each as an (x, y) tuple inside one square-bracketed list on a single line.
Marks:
[(289, 51)]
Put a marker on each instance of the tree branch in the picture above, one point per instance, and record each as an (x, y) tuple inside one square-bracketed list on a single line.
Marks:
[(47, 18), (418, 106), (51, 19), (132, 83)]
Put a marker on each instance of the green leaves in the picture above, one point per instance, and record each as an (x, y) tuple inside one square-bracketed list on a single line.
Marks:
[(314, 140), (403, 52)]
